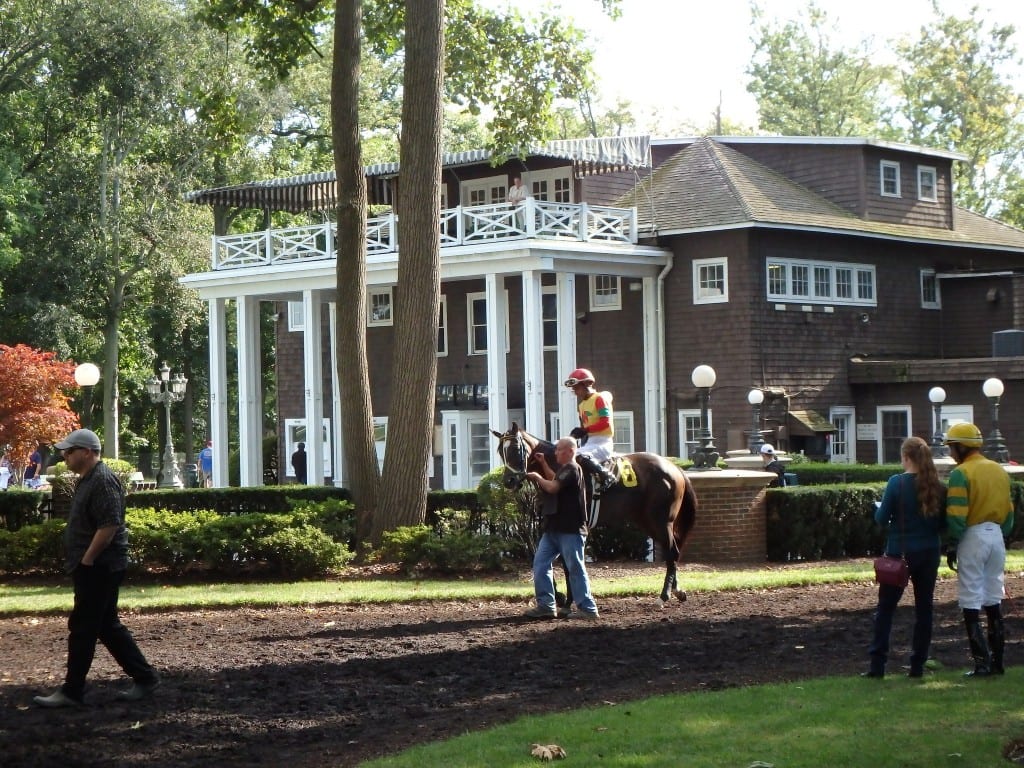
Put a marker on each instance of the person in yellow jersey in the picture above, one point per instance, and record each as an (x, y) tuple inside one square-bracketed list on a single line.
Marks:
[(596, 431), (979, 515)]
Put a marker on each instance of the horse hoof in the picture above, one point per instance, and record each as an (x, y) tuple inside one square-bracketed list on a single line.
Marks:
[(680, 595)]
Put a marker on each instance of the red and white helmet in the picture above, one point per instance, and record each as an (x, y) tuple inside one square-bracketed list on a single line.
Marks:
[(579, 376)]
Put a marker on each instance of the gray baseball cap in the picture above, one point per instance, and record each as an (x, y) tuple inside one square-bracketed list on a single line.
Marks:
[(80, 438)]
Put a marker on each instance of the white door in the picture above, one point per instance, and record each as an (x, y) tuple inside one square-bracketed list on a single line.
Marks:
[(844, 445)]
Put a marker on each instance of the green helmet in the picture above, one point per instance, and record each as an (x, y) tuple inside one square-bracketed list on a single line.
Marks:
[(965, 434)]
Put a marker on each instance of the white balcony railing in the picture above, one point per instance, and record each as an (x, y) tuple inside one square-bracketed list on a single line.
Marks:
[(457, 226)]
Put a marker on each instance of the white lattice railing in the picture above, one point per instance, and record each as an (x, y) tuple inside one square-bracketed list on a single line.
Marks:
[(457, 226)]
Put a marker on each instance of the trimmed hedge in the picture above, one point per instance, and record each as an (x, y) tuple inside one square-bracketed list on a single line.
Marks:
[(20, 507), (819, 473), (234, 501)]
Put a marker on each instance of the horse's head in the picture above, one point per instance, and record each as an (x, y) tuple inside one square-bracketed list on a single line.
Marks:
[(515, 449)]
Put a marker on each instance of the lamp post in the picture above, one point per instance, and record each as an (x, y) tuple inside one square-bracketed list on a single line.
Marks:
[(755, 397), (937, 396), (86, 376), (706, 456), (995, 448), (167, 390)]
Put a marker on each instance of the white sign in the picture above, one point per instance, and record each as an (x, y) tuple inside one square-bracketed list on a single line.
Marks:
[(867, 431)]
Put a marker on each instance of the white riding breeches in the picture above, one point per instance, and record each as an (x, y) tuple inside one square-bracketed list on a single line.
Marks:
[(598, 448), (981, 559)]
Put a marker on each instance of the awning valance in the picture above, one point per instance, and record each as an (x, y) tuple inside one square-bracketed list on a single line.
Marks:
[(808, 423)]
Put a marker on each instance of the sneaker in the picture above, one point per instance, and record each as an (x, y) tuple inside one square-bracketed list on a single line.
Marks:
[(565, 612), (138, 691), (587, 615), (56, 700), (540, 612)]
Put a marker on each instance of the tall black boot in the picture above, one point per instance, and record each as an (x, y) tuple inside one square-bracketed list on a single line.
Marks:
[(603, 479), (979, 647), (996, 636)]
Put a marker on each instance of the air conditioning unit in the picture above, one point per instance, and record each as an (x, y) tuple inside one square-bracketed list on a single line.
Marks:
[(1008, 343)]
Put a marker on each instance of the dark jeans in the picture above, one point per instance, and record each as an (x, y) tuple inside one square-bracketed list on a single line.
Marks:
[(93, 618), (924, 569)]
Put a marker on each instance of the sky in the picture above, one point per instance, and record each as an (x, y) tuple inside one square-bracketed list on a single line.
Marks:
[(698, 50)]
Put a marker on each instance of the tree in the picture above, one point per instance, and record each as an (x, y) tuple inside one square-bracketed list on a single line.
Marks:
[(805, 86), (33, 400), (954, 92)]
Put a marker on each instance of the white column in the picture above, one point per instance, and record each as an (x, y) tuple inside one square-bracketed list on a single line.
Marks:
[(654, 419), (313, 385), (567, 414), (533, 354), (250, 405), (218, 391), (497, 342), (337, 439)]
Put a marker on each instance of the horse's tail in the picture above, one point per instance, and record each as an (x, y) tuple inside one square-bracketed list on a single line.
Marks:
[(687, 515)]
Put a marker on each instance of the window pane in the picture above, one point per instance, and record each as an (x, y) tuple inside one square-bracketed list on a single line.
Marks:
[(549, 315), (800, 280), (894, 432), (777, 281), (479, 449), (712, 280), (844, 283), (822, 282), (865, 284)]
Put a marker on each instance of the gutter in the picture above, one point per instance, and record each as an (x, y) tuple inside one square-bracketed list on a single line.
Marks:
[(662, 378)]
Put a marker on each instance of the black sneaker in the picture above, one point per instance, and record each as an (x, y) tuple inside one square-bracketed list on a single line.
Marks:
[(138, 691)]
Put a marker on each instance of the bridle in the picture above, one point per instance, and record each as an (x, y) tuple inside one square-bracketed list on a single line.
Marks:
[(512, 444)]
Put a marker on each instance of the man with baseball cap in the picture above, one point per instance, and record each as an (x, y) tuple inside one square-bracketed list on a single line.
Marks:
[(96, 556), (772, 464)]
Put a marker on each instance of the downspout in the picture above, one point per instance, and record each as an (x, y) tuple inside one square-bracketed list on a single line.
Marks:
[(662, 378)]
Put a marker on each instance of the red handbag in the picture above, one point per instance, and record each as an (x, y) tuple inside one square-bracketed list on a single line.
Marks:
[(893, 569)]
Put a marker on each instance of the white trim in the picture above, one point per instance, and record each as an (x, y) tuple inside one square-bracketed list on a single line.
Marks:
[(810, 281), (486, 191), (848, 414), (708, 295), (380, 307), (926, 170), (681, 415), (889, 165), (623, 424), (925, 303), (605, 293), (295, 317), (879, 444)]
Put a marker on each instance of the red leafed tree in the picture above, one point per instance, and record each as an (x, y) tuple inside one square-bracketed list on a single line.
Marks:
[(34, 405)]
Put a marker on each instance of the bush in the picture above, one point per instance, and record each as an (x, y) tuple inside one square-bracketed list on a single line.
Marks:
[(511, 516), (422, 547), (20, 507), (33, 548), (235, 501)]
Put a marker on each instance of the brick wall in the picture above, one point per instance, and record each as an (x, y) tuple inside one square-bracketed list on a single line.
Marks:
[(730, 525)]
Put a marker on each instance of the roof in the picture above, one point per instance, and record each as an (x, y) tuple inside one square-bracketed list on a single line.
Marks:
[(709, 186), (318, 191), (848, 141), (810, 423)]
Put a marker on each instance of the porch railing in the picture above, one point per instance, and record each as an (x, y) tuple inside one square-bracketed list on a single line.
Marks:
[(463, 225)]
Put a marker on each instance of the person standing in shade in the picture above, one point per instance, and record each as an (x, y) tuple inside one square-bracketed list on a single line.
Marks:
[(565, 533), (206, 465), (913, 510), (299, 464), (96, 556), (772, 464), (979, 515)]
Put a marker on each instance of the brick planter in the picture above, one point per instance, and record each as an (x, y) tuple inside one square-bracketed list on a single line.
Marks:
[(730, 525)]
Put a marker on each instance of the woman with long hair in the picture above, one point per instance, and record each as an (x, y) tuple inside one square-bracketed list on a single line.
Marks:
[(913, 509)]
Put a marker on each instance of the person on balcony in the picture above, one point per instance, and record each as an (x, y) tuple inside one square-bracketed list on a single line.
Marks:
[(517, 192), (596, 431)]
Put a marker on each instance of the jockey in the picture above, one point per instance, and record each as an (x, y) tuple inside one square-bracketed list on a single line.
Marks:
[(596, 430)]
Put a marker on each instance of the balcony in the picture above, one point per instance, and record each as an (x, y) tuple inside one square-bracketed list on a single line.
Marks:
[(460, 226)]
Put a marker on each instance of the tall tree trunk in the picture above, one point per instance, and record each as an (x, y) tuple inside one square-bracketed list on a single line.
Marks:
[(362, 473), (414, 367)]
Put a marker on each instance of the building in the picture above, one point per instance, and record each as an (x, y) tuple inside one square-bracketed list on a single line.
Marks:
[(836, 275)]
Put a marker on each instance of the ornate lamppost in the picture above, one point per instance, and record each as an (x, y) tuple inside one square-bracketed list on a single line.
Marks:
[(167, 390), (937, 396), (755, 397), (706, 456), (86, 377), (995, 448)]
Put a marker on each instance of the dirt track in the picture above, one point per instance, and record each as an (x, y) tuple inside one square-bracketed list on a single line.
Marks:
[(335, 685)]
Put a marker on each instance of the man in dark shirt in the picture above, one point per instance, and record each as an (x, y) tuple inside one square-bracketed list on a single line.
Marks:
[(565, 532), (299, 464), (96, 555), (772, 464)]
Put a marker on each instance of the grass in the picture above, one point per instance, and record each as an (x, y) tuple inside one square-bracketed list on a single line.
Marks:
[(20, 599), (945, 720)]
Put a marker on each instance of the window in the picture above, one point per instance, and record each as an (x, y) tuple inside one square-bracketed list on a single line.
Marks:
[(843, 443), (895, 428), (380, 438), (605, 293), (379, 307), (549, 316), (710, 281), (442, 327), (926, 184), (622, 421), (929, 290), (554, 186), (489, 191), (476, 319), (689, 431), (890, 173), (821, 282), (296, 320), (295, 433)]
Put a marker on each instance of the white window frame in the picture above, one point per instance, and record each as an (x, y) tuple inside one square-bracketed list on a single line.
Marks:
[(790, 271), (924, 171), (889, 165), (703, 293), (380, 438), (482, 296), (291, 440), (375, 297), (879, 411), (296, 317), (442, 327), (549, 290), (928, 275), (953, 414), (605, 293), (488, 191), (849, 414), (681, 415), (553, 185), (624, 440)]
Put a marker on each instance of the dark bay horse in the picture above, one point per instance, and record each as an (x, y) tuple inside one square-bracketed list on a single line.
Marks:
[(652, 492)]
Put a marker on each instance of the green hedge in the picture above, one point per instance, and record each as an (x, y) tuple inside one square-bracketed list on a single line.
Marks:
[(235, 501), (20, 507), (817, 473)]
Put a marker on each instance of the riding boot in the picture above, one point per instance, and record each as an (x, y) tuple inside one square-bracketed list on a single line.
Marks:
[(603, 479), (979, 646), (996, 636)]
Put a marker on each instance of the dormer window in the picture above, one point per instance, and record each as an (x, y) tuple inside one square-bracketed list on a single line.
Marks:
[(926, 185), (890, 173)]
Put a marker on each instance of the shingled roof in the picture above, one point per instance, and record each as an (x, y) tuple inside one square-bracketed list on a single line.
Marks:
[(708, 186)]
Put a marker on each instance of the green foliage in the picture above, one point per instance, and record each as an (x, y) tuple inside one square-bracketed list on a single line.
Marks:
[(20, 507), (452, 549), (33, 548), (512, 516), (165, 540), (232, 501), (822, 473)]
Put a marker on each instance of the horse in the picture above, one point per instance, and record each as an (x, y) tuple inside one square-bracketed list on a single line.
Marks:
[(649, 490)]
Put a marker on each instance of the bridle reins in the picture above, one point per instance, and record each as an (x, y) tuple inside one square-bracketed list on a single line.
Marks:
[(504, 443)]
